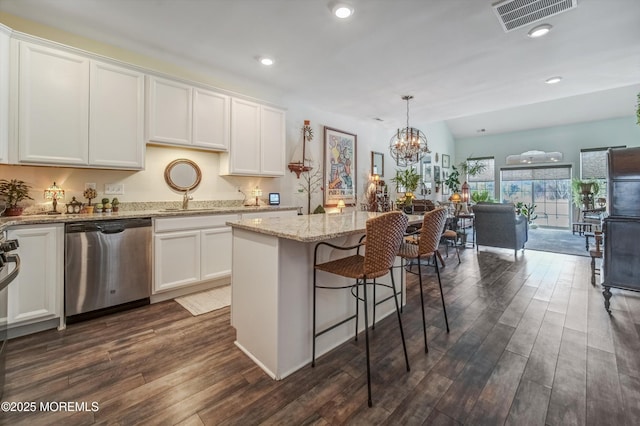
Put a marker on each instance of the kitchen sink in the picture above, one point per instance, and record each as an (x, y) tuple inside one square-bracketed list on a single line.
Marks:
[(189, 209)]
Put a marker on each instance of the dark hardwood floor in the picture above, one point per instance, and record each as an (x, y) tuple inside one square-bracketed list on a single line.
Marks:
[(530, 344)]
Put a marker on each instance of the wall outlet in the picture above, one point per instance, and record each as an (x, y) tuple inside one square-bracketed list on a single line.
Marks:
[(114, 188)]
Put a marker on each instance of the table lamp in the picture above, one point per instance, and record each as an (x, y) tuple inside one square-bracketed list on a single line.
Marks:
[(341, 205), (55, 193), (257, 192)]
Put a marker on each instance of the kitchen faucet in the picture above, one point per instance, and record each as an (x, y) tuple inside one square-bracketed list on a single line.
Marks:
[(185, 200)]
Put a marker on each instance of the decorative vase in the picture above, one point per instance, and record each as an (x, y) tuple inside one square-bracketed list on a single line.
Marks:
[(13, 211)]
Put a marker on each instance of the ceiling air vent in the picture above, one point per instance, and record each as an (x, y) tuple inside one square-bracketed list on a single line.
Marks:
[(515, 14)]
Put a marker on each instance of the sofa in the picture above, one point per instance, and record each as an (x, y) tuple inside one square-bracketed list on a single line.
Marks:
[(497, 225)]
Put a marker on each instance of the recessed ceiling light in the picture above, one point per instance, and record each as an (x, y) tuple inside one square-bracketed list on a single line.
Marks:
[(539, 31), (342, 10), (553, 80), (266, 61)]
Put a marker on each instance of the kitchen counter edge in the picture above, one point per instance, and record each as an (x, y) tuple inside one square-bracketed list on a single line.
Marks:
[(9, 221)]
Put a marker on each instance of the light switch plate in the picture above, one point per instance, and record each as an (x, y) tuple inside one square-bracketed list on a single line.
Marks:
[(114, 188)]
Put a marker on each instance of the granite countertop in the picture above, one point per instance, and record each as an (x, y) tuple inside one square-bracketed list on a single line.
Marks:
[(312, 228), (35, 219)]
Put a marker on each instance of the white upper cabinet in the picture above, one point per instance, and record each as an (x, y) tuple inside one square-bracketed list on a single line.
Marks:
[(4, 93), (73, 110), (116, 117), (53, 107), (184, 115), (257, 140), (169, 111), (210, 120)]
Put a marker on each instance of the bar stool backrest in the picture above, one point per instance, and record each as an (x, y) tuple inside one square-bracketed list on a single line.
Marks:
[(384, 236), (432, 227)]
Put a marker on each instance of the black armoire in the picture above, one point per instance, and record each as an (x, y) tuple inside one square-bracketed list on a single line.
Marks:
[(621, 262)]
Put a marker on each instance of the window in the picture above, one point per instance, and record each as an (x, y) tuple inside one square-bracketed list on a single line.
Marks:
[(548, 188), (593, 166), (482, 185)]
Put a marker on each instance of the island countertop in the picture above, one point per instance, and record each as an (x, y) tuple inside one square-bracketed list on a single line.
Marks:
[(312, 228)]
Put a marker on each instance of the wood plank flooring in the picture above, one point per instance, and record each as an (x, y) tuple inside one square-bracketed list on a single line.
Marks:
[(530, 344)]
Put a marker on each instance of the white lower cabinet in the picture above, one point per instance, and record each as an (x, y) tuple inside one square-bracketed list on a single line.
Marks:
[(177, 259), (190, 250), (36, 294)]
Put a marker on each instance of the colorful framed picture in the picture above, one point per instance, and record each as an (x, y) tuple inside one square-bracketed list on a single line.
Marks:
[(339, 167), (445, 161)]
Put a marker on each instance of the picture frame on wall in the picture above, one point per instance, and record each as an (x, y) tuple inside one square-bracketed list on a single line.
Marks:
[(436, 174), (425, 168), (377, 163), (340, 149), (445, 161)]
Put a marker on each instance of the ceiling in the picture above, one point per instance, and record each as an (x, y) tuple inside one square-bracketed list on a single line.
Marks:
[(452, 56)]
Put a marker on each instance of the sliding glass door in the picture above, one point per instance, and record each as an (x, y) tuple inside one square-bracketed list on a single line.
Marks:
[(547, 187)]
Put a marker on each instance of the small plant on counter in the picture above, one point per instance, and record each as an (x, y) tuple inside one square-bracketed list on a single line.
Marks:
[(90, 194), (99, 207), (13, 192), (114, 204)]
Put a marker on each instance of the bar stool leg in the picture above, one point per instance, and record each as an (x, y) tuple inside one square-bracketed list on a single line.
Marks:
[(313, 356), (444, 308), (395, 298), (424, 321), (366, 337)]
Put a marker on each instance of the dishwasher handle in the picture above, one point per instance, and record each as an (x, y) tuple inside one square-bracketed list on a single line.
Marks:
[(111, 228)]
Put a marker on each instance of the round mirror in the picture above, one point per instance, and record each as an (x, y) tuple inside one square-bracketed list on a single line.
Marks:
[(182, 174)]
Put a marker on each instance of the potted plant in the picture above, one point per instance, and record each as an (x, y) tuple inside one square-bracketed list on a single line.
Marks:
[(114, 204), (13, 192), (90, 194), (528, 211), (407, 181), (453, 180), (584, 192)]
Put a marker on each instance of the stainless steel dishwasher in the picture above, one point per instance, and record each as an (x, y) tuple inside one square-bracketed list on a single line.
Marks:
[(107, 266)]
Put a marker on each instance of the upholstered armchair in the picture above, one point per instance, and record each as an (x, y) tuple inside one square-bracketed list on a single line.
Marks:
[(497, 225)]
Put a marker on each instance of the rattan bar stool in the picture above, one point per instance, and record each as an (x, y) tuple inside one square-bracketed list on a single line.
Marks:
[(384, 235), (428, 241)]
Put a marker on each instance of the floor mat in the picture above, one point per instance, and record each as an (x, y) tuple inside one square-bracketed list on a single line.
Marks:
[(557, 241), (206, 301)]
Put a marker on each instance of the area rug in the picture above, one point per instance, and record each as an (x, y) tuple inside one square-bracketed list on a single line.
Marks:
[(206, 301), (557, 241)]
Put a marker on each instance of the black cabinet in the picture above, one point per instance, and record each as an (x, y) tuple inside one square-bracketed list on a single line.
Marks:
[(621, 261)]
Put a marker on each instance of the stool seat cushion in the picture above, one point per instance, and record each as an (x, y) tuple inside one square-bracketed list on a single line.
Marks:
[(350, 267)]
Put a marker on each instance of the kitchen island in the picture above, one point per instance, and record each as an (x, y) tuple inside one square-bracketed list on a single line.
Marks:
[(272, 287)]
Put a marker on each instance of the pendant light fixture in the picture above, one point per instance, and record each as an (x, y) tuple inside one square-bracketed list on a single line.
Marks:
[(408, 145)]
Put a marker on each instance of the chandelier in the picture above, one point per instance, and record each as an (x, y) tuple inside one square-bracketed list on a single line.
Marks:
[(408, 145)]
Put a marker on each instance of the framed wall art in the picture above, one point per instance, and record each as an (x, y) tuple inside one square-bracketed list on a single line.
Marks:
[(377, 163), (436, 174), (445, 161), (339, 167)]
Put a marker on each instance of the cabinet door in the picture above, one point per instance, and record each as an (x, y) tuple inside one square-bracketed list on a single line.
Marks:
[(176, 260), (169, 112), (53, 99), (216, 253), (4, 94), (116, 137), (116, 126), (36, 294), (210, 120), (272, 141), (245, 137)]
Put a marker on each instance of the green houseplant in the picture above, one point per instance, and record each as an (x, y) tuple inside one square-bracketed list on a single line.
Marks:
[(580, 190), (14, 191), (406, 181), (453, 180)]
